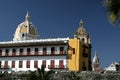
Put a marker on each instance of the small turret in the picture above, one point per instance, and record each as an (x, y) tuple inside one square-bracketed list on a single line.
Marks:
[(96, 63)]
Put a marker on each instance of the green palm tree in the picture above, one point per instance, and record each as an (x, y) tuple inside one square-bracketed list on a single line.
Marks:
[(42, 74), (32, 76), (113, 9), (39, 74)]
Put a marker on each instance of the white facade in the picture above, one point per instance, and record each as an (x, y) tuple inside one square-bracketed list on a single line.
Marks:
[(30, 54)]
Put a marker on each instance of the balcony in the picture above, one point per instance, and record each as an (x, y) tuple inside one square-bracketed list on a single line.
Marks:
[(5, 67), (56, 66), (60, 53)]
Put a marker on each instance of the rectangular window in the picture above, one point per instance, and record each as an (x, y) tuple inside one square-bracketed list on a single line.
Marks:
[(20, 64), (73, 50), (44, 63), (13, 52), (0, 52), (28, 51), (13, 64), (83, 67), (86, 51), (21, 52), (52, 50), (61, 50), (35, 64), (6, 52), (36, 51), (52, 64), (28, 64), (44, 50), (61, 65), (83, 50), (6, 64)]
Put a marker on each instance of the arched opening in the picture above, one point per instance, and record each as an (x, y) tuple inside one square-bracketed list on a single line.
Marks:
[(83, 40)]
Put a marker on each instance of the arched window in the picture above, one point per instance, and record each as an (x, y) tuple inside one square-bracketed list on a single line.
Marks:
[(23, 35), (83, 40)]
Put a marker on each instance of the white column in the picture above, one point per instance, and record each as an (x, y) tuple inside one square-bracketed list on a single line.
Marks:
[(65, 63), (48, 50), (2, 63), (57, 63), (39, 63), (17, 51), (32, 64), (40, 50), (3, 52), (9, 64), (10, 52), (47, 63), (24, 64), (17, 65), (32, 50), (25, 51), (57, 50)]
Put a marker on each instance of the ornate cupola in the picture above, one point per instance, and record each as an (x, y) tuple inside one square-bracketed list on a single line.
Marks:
[(82, 34), (26, 30)]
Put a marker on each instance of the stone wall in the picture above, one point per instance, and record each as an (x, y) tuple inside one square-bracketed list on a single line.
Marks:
[(85, 75)]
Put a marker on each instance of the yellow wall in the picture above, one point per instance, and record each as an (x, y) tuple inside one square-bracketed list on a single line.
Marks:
[(77, 60), (74, 59)]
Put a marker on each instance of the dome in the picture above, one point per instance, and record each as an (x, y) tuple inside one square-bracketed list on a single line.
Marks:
[(82, 34), (81, 30), (25, 30)]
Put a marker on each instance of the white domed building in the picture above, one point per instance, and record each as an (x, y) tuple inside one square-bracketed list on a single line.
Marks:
[(26, 30)]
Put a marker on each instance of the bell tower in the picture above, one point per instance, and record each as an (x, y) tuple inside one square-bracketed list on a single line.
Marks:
[(82, 34)]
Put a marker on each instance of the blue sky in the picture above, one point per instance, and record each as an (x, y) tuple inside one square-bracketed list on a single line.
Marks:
[(60, 18)]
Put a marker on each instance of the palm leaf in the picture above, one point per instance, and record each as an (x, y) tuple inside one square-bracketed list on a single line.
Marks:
[(113, 9)]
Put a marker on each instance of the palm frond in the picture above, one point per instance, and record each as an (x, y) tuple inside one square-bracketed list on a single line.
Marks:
[(113, 10)]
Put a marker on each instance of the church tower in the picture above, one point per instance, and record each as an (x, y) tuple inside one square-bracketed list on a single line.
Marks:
[(96, 63), (82, 34)]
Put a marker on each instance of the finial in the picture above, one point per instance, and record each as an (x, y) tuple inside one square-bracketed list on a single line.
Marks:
[(81, 23), (95, 54), (27, 16), (95, 57)]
